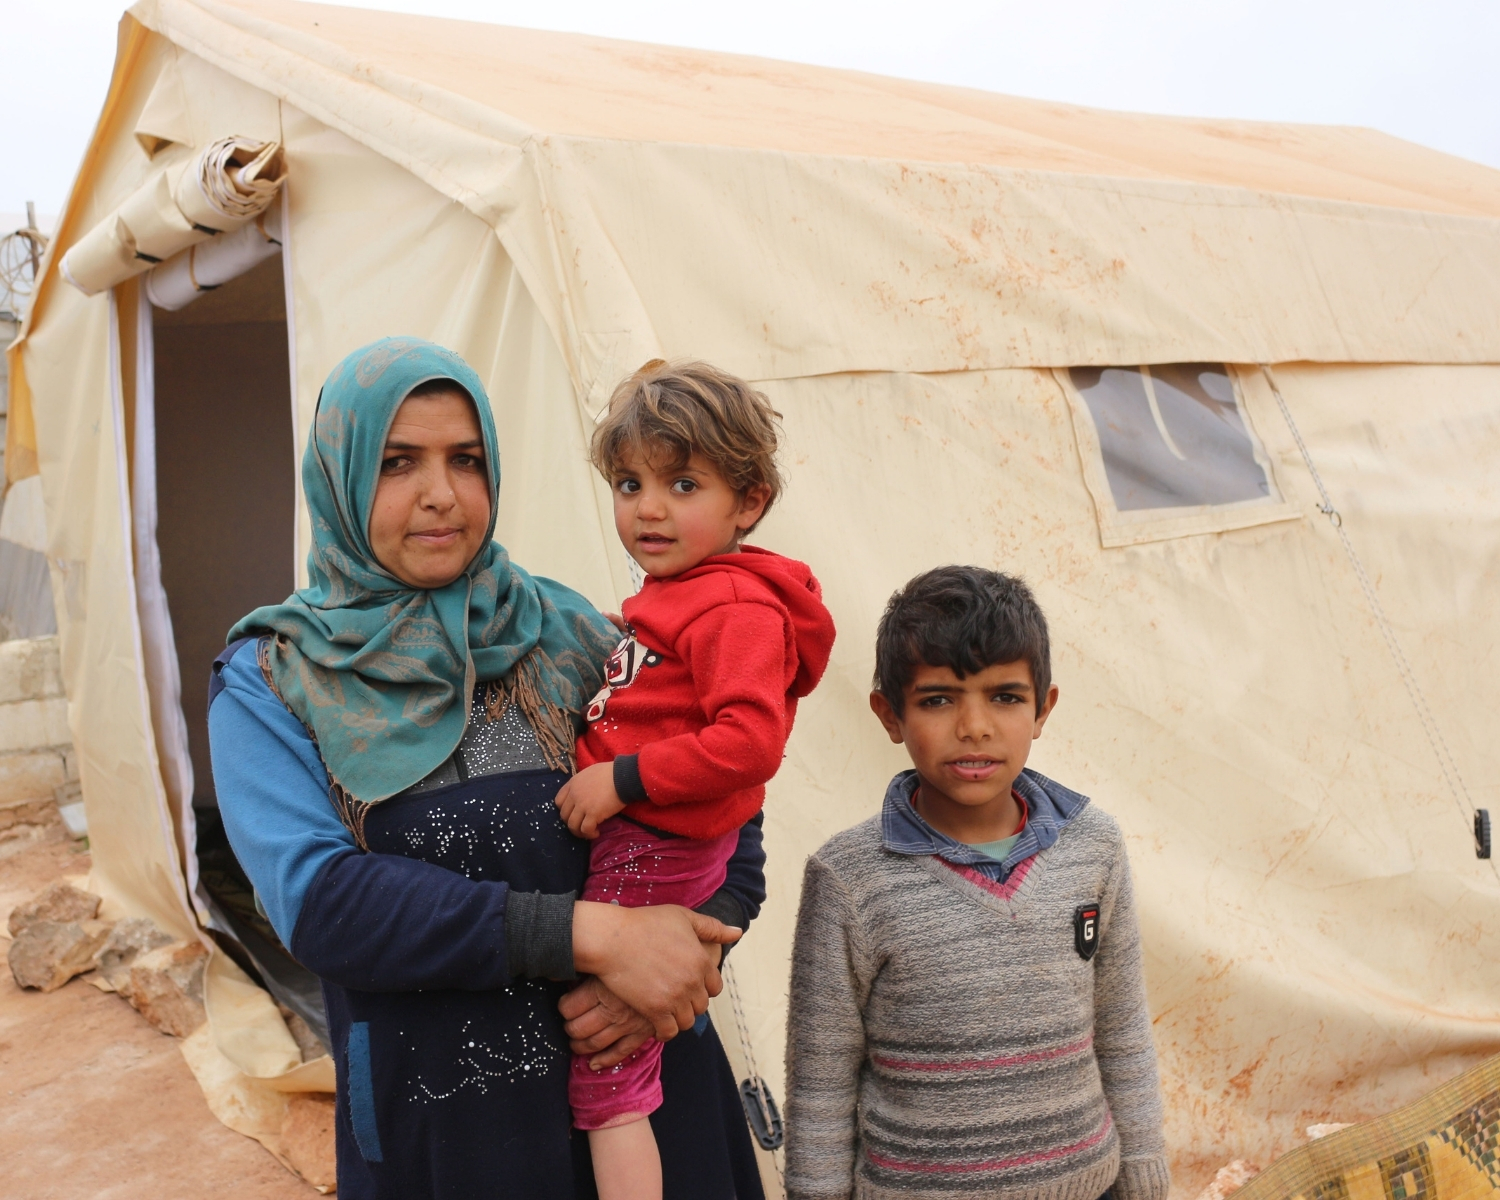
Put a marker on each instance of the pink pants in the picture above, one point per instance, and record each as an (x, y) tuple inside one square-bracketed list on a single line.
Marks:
[(633, 866)]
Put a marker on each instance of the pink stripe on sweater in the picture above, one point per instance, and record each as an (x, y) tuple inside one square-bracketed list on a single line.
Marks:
[(997, 1164), (981, 1064), (1004, 890)]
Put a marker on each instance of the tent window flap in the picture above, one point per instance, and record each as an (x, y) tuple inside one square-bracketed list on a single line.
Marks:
[(1169, 451)]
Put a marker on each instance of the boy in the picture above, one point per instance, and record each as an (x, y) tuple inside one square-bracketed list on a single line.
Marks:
[(968, 1011), (721, 642)]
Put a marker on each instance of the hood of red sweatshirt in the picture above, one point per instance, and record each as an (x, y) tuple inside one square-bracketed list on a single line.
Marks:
[(752, 575)]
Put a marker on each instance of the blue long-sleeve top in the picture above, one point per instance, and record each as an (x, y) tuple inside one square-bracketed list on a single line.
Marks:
[(383, 922)]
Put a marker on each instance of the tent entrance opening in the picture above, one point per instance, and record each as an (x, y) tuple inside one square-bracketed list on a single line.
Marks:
[(226, 505)]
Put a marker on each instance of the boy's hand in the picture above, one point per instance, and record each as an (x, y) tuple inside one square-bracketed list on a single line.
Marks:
[(589, 799)]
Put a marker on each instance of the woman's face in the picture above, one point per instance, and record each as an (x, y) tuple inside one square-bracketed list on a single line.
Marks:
[(432, 504)]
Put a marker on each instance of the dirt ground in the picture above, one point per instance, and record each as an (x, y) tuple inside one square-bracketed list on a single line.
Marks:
[(94, 1103)]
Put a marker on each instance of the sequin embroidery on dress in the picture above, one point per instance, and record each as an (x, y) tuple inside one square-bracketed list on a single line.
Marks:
[(488, 748), (487, 814), (524, 1050)]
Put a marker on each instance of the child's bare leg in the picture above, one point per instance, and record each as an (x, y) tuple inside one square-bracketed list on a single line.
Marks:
[(627, 1165)]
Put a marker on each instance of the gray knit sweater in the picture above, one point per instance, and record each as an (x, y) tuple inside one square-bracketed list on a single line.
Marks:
[(947, 1039)]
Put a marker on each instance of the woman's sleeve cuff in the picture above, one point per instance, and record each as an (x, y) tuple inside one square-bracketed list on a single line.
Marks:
[(628, 785), (539, 935), (722, 906)]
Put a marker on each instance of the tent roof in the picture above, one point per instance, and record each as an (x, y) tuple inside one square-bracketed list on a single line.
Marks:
[(589, 87), (787, 221)]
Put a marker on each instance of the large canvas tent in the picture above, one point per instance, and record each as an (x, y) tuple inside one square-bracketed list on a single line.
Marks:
[(1021, 334)]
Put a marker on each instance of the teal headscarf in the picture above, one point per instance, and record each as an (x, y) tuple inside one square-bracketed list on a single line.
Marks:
[(381, 672)]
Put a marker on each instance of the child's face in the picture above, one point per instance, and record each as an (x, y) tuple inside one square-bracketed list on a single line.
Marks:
[(671, 519), (968, 738)]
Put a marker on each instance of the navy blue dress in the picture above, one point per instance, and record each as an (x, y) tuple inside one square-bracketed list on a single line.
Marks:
[(452, 1072)]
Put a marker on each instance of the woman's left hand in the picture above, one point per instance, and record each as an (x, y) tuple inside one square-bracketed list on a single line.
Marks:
[(600, 1024), (661, 961)]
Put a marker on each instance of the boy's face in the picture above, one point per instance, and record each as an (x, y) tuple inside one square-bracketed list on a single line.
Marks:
[(671, 518), (968, 739)]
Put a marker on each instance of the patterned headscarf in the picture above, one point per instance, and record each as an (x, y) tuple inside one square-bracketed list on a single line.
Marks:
[(381, 672)]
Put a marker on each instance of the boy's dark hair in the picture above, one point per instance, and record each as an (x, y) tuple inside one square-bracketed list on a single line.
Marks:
[(965, 618), (687, 408)]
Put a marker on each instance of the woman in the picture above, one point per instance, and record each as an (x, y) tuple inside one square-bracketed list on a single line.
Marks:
[(386, 748)]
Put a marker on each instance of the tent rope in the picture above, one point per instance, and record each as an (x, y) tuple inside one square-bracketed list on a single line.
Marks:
[(1446, 763), (742, 1026)]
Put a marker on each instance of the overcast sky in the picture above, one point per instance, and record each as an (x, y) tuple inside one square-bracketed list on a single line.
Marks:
[(1421, 69)]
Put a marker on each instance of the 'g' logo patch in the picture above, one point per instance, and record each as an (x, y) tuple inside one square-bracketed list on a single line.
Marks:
[(1086, 930)]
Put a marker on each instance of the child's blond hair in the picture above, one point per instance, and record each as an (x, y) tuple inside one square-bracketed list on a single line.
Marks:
[(685, 408)]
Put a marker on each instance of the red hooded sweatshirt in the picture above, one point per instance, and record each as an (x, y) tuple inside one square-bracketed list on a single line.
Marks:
[(699, 698)]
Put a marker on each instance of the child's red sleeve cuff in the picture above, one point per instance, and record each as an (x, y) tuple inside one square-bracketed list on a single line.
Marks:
[(628, 785)]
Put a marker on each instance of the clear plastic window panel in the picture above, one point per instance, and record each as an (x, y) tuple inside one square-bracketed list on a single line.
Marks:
[(1171, 436)]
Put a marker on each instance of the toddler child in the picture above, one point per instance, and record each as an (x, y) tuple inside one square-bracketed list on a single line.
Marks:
[(721, 642), (968, 1010)]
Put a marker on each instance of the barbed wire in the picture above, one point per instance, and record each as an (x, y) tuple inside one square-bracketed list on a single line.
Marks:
[(20, 264)]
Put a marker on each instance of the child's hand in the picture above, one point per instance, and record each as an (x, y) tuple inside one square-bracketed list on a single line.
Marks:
[(589, 799)]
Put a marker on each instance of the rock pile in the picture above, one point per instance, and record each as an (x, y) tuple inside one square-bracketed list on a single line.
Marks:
[(56, 936), (128, 939), (166, 987)]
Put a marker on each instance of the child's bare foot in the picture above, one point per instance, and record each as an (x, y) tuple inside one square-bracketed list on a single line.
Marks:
[(627, 1165)]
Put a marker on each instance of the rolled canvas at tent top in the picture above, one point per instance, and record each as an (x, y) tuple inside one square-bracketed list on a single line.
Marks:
[(902, 267)]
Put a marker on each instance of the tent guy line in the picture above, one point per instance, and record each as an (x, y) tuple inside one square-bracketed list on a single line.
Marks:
[(1451, 776)]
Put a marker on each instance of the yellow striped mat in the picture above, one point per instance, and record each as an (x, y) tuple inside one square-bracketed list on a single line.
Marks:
[(1445, 1146)]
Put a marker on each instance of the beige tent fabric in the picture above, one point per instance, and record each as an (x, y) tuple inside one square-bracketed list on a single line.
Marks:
[(910, 255), (413, 261), (990, 199), (513, 83), (1305, 877), (214, 191), (206, 265), (1323, 944)]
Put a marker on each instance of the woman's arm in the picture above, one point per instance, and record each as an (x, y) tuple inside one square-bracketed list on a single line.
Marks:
[(376, 922), (380, 922), (640, 954), (738, 901)]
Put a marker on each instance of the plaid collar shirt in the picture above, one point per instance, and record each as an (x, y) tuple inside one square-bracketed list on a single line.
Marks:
[(1049, 806)]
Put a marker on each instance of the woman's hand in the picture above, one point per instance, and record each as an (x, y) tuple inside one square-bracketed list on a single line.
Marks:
[(660, 961), (589, 799), (600, 1024)]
